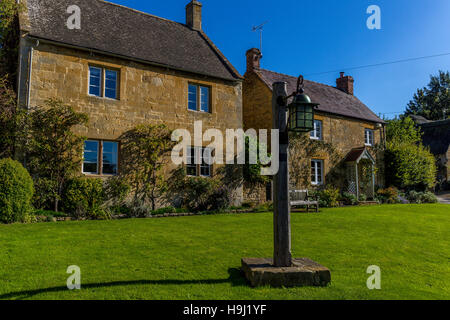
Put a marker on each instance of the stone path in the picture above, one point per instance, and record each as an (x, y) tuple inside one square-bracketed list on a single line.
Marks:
[(444, 198)]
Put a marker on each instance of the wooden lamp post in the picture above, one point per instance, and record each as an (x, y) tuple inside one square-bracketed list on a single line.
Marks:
[(283, 270), (301, 119)]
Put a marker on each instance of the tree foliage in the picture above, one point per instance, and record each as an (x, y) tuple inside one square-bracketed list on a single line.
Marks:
[(11, 119), (9, 37), (54, 151), (402, 130), (409, 165), (144, 154), (432, 101)]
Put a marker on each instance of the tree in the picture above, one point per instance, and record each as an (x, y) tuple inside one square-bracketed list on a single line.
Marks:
[(433, 101), (10, 119), (402, 130), (9, 37), (54, 151), (144, 154), (409, 165)]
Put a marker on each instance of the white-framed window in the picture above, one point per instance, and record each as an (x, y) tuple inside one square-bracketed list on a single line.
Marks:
[(103, 82), (100, 157), (316, 172), (199, 162), (316, 133), (369, 137), (199, 98)]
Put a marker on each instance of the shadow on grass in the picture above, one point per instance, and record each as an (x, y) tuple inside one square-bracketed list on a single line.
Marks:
[(235, 278)]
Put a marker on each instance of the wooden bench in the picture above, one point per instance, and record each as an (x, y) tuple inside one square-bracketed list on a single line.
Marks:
[(302, 198)]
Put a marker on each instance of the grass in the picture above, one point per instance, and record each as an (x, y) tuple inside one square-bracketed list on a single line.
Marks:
[(198, 257)]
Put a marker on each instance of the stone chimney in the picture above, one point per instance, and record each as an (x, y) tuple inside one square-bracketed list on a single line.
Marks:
[(194, 15), (345, 83), (253, 59)]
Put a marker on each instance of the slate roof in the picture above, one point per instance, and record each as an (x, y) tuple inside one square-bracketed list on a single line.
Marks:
[(331, 99), (419, 119), (436, 135), (356, 153), (125, 32)]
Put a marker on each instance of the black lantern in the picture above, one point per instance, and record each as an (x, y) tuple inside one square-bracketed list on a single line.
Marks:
[(301, 110)]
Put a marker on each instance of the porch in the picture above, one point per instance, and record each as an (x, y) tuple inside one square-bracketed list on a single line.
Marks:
[(360, 172)]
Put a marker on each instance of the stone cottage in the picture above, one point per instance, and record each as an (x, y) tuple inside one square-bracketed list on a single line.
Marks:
[(341, 119), (124, 67)]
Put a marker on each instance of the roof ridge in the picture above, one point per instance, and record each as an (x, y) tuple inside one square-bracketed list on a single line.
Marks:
[(287, 75), (141, 12)]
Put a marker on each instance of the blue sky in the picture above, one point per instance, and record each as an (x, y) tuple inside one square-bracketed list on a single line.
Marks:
[(313, 36)]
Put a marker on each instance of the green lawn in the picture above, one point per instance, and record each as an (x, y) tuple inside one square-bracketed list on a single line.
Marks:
[(198, 257)]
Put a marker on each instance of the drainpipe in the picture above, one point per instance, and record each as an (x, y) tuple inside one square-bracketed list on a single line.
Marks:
[(30, 69)]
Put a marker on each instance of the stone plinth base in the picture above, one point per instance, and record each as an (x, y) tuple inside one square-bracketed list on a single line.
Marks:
[(304, 272)]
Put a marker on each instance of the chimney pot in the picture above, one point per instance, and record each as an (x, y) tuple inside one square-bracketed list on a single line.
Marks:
[(345, 83), (194, 15), (253, 59)]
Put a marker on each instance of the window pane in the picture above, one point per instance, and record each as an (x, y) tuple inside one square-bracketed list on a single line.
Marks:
[(319, 172), (90, 157), (111, 93), (369, 137), (110, 157), (316, 171), (204, 99), (95, 76), (206, 157), (191, 167), (111, 84), (316, 133), (192, 98), (318, 125)]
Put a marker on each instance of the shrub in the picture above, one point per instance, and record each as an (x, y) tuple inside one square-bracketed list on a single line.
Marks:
[(49, 213), (164, 210), (199, 193), (265, 207), (16, 192), (421, 197), (83, 198), (116, 191), (349, 198), (410, 166), (362, 197), (44, 193), (388, 195), (202, 194), (329, 197)]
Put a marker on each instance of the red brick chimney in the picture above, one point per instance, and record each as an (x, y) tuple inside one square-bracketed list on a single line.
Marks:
[(345, 83), (194, 15), (253, 59)]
